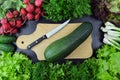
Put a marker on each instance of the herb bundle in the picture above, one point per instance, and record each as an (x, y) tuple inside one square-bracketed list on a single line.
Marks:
[(57, 10)]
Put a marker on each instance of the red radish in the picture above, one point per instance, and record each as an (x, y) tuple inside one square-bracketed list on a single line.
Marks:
[(37, 16), (23, 11), (12, 23), (37, 10), (24, 18), (26, 1), (1, 30), (38, 2), (18, 23), (30, 8), (30, 16), (9, 15), (16, 13), (42, 13), (14, 31), (19, 18), (3, 20), (6, 27)]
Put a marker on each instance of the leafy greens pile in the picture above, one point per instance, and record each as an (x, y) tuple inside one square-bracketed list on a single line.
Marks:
[(104, 67), (107, 10), (6, 5), (14, 66), (57, 10)]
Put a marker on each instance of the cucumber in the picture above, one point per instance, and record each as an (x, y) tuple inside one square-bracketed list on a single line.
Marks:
[(7, 47), (61, 48), (7, 38)]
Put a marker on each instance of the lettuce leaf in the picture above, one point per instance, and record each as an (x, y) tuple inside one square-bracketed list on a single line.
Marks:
[(114, 5), (109, 60), (107, 10), (14, 66)]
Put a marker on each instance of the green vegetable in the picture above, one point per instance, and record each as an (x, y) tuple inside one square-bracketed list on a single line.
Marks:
[(107, 10), (58, 10), (53, 71), (61, 48), (111, 35), (108, 59), (40, 71), (7, 38), (7, 47), (113, 6), (1, 1), (104, 67), (14, 66)]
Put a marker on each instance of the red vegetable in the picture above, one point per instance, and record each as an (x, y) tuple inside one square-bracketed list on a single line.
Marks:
[(38, 2), (16, 13), (6, 27), (14, 31), (42, 13), (30, 16), (1, 30), (9, 15), (26, 1), (24, 17), (37, 10), (12, 22), (37, 16), (18, 23), (23, 11), (30, 8), (19, 18), (3, 20)]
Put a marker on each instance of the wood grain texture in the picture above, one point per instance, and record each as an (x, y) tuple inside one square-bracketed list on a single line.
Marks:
[(83, 51)]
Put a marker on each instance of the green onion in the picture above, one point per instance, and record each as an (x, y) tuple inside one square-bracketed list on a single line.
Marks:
[(111, 35)]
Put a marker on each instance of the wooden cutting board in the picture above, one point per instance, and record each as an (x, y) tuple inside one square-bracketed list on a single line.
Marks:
[(83, 51)]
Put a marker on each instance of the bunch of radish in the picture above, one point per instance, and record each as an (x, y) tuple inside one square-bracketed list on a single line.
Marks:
[(15, 19), (32, 11)]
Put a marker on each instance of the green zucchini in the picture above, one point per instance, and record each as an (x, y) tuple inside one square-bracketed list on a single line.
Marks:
[(7, 38), (61, 48), (7, 47)]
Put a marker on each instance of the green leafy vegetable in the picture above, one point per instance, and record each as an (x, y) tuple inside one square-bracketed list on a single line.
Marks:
[(107, 10), (1, 1), (114, 5), (40, 71), (108, 58), (52, 71), (14, 66), (58, 10), (104, 67)]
